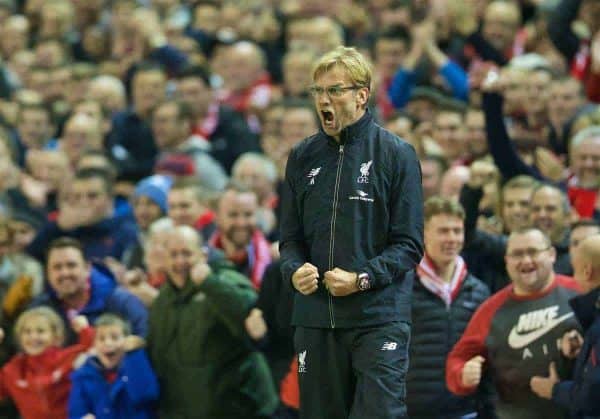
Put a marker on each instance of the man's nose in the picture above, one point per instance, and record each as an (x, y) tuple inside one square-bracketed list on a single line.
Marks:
[(324, 98)]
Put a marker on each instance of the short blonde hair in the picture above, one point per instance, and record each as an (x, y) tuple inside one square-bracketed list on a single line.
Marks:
[(56, 323), (356, 65), (437, 205)]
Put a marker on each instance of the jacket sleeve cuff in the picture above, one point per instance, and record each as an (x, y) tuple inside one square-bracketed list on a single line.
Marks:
[(561, 393), (288, 269), (457, 79), (86, 336)]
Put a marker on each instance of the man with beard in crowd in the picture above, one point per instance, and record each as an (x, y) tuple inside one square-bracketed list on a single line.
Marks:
[(237, 234)]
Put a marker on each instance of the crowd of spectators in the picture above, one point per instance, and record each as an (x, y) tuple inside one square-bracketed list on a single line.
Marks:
[(143, 145)]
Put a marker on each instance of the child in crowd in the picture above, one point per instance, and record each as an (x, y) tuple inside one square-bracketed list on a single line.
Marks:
[(118, 381), (38, 378)]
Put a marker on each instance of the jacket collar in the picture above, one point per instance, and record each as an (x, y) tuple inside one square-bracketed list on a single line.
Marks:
[(586, 307), (183, 294), (102, 285), (353, 132)]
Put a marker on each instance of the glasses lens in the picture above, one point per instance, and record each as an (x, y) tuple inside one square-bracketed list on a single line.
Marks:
[(334, 91), (315, 90)]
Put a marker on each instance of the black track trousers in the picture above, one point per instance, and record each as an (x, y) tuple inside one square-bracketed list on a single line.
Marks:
[(357, 373)]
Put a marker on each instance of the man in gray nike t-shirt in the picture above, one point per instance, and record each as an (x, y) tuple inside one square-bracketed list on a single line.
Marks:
[(513, 335)]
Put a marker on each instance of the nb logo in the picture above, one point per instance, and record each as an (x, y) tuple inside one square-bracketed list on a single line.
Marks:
[(389, 346)]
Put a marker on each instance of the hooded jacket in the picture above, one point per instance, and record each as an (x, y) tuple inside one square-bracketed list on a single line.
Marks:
[(130, 396), (105, 296)]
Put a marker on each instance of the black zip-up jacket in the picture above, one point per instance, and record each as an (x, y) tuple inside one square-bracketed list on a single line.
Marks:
[(436, 329), (356, 205)]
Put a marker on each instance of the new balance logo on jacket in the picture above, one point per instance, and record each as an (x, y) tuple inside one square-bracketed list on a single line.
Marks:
[(389, 346)]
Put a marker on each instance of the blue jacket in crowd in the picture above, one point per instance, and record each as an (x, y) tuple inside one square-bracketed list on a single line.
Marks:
[(130, 396), (105, 296), (582, 395)]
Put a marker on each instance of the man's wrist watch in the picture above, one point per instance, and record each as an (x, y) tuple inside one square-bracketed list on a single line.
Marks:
[(363, 282)]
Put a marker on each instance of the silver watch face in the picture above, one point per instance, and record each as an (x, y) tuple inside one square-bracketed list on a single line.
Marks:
[(363, 283)]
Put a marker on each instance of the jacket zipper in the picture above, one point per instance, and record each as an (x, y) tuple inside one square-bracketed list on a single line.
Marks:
[(333, 219)]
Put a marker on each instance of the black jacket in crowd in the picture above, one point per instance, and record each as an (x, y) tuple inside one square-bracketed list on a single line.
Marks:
[(356, 205), (276, 299), (435, 330), (231, 138)]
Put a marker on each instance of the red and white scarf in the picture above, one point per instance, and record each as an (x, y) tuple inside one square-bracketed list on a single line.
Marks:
[(431, 280)]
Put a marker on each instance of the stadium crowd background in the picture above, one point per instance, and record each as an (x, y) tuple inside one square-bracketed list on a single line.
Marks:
[(122, 119)]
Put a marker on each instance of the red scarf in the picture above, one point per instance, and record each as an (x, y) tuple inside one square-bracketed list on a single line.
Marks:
[(582, 199), (258, 254), (431, 280), (258, 95), (205, 219), (208, 125), (581, 62)]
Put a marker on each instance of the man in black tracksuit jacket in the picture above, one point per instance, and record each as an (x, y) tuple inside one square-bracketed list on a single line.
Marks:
[(351, 237)]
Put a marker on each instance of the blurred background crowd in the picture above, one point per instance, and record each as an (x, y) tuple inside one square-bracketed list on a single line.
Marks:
[(123, 119)]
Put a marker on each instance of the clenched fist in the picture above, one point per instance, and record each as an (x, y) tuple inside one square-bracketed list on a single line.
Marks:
[(472, 371), (79, 323), (255, 324), (306, 279), (340, 283), (199, 272), (571, 344)]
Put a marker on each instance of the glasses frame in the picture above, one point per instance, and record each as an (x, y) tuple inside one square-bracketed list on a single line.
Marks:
[(331, 91), (535, 255)]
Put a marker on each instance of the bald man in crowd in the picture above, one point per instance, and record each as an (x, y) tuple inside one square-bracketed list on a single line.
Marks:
[(580, 395)]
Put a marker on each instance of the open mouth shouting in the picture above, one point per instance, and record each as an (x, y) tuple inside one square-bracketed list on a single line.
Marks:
[(527, 270), (327, 119), (528, 274), (111, 358)]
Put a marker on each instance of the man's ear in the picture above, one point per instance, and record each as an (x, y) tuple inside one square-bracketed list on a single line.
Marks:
[(363, 96), (552, 251), (588, 271), (88, 268), (106, 126)]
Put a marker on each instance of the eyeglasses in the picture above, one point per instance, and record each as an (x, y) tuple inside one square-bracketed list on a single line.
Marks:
[(532, 252), (332, 91)]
